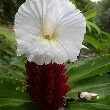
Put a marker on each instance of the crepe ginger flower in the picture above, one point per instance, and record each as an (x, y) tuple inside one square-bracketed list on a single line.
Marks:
[(49, 31), (88, 96)]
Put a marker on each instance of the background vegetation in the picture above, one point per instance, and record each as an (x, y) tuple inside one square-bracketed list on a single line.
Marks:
[(90, 73), (8, 8)]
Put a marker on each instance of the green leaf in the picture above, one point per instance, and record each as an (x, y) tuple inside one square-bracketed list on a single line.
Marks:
[(90, 14), (106, 34), (101, 104), (91, 105), (94, 26), (99, 84), (84, 69), (12, 95), (12, 89), (18, 106), (92, 41), (89, 27)]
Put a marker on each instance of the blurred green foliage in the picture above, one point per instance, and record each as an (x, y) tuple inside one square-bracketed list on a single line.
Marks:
[(8, 8), (8, 58), (85, 5), (103, 15)]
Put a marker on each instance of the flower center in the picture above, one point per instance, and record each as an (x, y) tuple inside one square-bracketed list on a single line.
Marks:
[(48, 37)]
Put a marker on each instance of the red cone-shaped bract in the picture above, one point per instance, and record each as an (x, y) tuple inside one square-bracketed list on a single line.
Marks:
[(46, 84)]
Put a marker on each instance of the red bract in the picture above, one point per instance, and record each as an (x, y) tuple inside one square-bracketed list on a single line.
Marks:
[(46, 84)]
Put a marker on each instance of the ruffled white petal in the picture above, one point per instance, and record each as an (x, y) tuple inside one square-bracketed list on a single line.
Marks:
[(57, 18)]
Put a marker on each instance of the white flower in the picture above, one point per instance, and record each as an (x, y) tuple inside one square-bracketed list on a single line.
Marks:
[(49, 30), (88, 96)]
